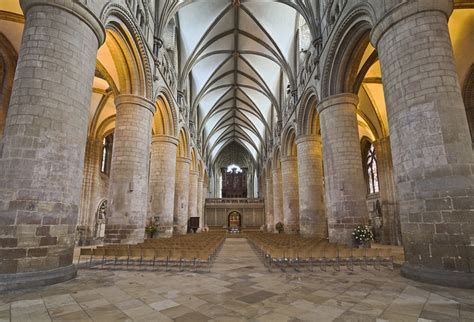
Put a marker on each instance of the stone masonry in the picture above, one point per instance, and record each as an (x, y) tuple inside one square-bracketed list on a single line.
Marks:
[(181, 198), (193, 193), (44, 143), (430, 142), (313, 220), (269, 202), (90, 184), (277, 196), (345, 185), (128, 188), (289, 174), (200, 206), (162, 184)]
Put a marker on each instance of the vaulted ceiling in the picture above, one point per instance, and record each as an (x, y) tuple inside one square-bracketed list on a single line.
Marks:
[(236, 60)]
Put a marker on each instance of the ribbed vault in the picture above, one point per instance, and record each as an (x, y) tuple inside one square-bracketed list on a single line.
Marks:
[(236, 61)]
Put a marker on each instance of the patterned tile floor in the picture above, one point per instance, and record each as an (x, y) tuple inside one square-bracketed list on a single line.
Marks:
[(239, 288)]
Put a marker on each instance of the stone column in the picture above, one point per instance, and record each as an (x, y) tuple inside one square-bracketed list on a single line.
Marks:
[(44, 141), (87, 209), (269, 202), (128, 185), (181, 197), (199, 200), (431, 144), (277, 196), (162, 181), (345, 185), (289, 175), (205, 191), (193, 193), (391, 233), (313, 220)]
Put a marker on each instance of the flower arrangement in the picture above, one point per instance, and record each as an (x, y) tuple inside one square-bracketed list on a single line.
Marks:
[(363, 234), (280, 227), (151, 228)]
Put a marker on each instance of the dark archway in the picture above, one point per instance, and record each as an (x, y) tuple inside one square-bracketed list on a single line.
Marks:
[(234, 220)]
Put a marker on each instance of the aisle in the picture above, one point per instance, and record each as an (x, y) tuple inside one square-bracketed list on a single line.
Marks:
[(236, 254)]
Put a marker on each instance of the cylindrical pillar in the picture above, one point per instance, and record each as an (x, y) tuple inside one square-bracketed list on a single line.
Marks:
[(431, 144), (289, 175), (181, 197), (313, 220), (193, 193), (44, 141), (344, 178), (391, 233), (277, 194), (199, 200), (205, 193), (269, 221), (162, 184), (128, 184), (89, 187)]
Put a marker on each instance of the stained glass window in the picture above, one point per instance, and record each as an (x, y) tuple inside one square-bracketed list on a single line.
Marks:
[(106, 154), (372, 170)]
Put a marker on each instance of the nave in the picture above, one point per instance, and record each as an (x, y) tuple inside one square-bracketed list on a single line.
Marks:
[(238, 288)]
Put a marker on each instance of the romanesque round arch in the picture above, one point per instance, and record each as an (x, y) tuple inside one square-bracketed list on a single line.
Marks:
[(166, 96), (308, 117), (117, 18), (347, 46), (288, 142), (183, 144)]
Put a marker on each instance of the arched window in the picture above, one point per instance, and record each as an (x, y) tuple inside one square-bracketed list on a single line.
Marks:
[(372, 174), (106, 160)]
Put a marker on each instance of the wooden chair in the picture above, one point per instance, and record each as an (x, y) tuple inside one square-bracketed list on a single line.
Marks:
[(85, 252)]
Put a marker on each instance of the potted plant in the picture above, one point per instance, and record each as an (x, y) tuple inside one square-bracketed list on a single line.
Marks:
[(280, 227), (363, 235), (151, 228)]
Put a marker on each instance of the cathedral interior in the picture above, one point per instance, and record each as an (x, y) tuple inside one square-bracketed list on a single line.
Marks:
[(259, 139)]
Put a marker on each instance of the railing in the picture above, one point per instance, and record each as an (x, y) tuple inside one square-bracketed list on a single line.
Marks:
[(234, 200)]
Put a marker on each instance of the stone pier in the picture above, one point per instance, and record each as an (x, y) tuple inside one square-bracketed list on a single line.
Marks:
[(313, 220), (162, 184), (128, 187), (431, 143), (44, 142), (289, 174), (345, 185)]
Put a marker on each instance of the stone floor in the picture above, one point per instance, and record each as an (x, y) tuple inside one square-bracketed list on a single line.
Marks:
[(239, 288)]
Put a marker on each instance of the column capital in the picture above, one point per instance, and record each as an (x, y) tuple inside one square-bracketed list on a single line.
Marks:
[(193, 173), (344, 98), (73, 7), (135, 100), (159, 138), (183, 160), (406, 10), (308, 138), (290, 158)]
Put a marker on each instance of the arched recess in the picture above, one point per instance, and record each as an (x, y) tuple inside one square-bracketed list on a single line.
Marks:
[(164, 118), (347, 46), (8, 59), (183, 144), (194, 160), (130, 54), (288, 145), (468, 95), (308, 117)]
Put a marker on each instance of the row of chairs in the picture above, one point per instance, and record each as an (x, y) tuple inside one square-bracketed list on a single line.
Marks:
[(177, 252), (321, 253)]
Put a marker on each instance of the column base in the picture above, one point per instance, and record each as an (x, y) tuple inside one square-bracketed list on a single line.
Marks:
[(9, 282), (438, 277)]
